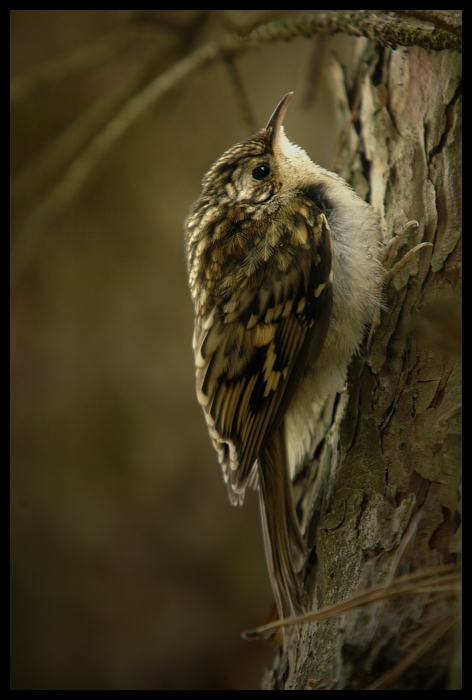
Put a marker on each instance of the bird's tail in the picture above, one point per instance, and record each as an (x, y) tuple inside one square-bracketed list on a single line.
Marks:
[(282, 535)]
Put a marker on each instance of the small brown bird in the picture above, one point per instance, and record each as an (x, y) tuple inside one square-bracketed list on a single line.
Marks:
[(284, 273)]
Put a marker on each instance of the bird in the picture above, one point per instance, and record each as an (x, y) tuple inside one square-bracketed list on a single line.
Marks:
[(285, 276)]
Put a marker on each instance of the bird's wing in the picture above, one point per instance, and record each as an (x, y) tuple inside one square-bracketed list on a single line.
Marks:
[(252, 349)]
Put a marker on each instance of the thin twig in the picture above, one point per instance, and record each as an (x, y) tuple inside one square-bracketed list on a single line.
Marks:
[(437, 579), (244, 21), (22, 85), (408, 536), (409, 659), (314, 71), (425, 628), (245, 106), (75, 177)]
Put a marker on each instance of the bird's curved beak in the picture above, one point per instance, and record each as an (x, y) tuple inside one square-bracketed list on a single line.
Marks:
[(275, 122)]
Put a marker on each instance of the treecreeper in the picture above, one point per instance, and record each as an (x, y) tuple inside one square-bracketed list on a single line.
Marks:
[(285, 276)]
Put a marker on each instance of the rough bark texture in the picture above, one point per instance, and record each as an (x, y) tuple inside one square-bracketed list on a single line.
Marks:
[(392, 448)]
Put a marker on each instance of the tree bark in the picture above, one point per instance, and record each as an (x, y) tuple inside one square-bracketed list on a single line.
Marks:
[(390, 460)]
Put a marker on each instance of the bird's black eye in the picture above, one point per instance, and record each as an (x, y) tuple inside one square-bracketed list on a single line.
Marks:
[(261, 172)]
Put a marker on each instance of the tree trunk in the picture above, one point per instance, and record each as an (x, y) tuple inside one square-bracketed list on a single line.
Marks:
[(390, 460)]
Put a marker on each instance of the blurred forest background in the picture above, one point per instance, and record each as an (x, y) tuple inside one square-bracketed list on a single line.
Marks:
[(130, 569)]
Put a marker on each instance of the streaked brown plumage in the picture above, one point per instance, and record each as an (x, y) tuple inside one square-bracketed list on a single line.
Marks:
[(262, 274)]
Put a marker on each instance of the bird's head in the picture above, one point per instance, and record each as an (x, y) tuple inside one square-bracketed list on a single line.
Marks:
[(262, 166)]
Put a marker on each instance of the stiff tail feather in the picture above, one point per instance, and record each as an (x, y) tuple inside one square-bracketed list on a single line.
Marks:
[(282, 535)]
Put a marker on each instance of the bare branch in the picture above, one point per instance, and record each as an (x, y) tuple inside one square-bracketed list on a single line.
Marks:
[(386, 31), (70, 141), (450, 20), (67, 189)]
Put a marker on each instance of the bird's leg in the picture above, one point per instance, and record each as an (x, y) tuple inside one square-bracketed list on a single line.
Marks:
[(387, 260)]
